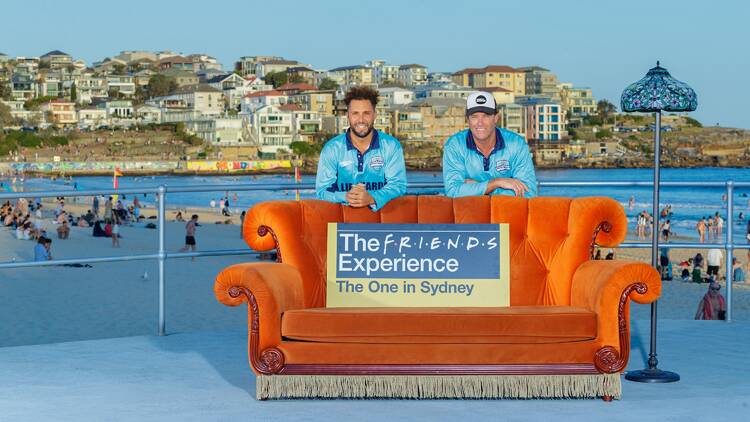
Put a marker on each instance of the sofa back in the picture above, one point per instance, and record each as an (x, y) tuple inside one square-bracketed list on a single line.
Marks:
[(549, 236)]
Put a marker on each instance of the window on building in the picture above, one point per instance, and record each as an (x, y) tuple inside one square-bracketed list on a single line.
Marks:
[(554, 109)]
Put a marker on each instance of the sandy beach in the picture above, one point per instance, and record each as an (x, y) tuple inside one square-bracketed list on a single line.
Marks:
[(56, 304)]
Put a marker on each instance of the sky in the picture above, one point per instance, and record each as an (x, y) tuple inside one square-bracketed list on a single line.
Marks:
[(604, 45)]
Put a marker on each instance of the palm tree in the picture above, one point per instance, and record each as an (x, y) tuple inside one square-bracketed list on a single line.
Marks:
[(604, 109)]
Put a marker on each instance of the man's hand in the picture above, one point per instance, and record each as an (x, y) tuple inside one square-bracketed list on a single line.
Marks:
[(507, 183), (358, 196)]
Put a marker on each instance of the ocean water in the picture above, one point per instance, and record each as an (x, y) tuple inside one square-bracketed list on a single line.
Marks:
[(689, 204)]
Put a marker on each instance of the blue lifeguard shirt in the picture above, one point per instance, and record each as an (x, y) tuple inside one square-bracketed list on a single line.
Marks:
[(381, 168), (509, 159)]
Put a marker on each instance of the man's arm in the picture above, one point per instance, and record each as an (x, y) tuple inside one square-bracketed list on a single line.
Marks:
[(325, 180), (395, 179), (523, 170), (455, 175)]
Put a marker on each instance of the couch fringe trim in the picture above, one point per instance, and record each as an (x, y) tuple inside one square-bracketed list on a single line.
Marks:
[(436, 387)]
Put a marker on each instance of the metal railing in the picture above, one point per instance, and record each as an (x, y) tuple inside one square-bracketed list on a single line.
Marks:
[(161, 255)]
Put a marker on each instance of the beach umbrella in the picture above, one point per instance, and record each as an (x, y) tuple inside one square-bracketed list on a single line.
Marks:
[(658, 91)]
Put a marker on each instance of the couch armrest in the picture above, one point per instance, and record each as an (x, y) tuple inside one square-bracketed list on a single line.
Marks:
[(270, 289), (605, 287)]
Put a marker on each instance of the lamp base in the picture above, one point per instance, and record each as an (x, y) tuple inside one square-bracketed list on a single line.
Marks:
[(655, 375)]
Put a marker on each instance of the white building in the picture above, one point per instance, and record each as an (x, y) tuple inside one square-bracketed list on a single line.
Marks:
[(395, 96), (125, 85), (147, 114), (201, 99), (271, 129), (383, 72), (92, 118), (227, 131), (412, 75), (90, 88)]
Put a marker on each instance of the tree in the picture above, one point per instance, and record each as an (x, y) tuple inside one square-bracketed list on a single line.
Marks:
[(6, 119), (73, 92), (302, 148), (328, 84), (5, 91), (276, 78), (160, 85), (604, 109)]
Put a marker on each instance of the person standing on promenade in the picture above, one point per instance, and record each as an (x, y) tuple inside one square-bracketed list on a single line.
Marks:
[(362, 167), (115, 230), (190, 234), (95, 205), (712, 306), (485, 159)]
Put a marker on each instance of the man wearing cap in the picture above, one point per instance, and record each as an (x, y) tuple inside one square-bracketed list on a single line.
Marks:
[(485, 159), (362, 167)]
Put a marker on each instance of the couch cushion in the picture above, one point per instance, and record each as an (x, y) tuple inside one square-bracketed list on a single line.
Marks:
[(517, 324)]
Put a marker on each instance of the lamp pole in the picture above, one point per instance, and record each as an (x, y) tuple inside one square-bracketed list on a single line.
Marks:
[(653, 374)]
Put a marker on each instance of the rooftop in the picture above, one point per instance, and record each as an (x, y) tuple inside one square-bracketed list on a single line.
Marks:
[(271, 93), (205, 376), (301, 86), (345, 68), (197, 88), (56, 53)]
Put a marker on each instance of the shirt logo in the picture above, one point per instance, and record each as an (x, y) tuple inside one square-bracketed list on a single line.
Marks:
[(376, 162), (502, 165)]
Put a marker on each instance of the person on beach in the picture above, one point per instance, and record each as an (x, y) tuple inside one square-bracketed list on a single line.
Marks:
[(63, 231), (713, 259), (641, 225), (190, 234), (701, 228), (42, 249), (178, 217), (485, 159), (362, 167), (738, 273), (98, 231), (665, 230), (95, 205), (116, 231), (712, 306), (631, 203), (108, 209), (719, 224)]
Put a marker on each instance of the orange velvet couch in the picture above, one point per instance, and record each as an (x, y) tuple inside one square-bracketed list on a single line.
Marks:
[(566, 333)]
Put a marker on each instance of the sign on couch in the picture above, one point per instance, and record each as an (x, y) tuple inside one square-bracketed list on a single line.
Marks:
[(417, 265)]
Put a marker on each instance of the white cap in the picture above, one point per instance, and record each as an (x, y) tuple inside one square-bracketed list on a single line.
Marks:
[(481, 101)]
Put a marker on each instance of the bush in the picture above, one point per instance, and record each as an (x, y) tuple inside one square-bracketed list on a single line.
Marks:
[(692, 122), (24, 139), (56, 140), (603, 134)]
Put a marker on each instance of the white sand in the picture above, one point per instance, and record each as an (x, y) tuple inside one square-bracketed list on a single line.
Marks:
[(55, 304)]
